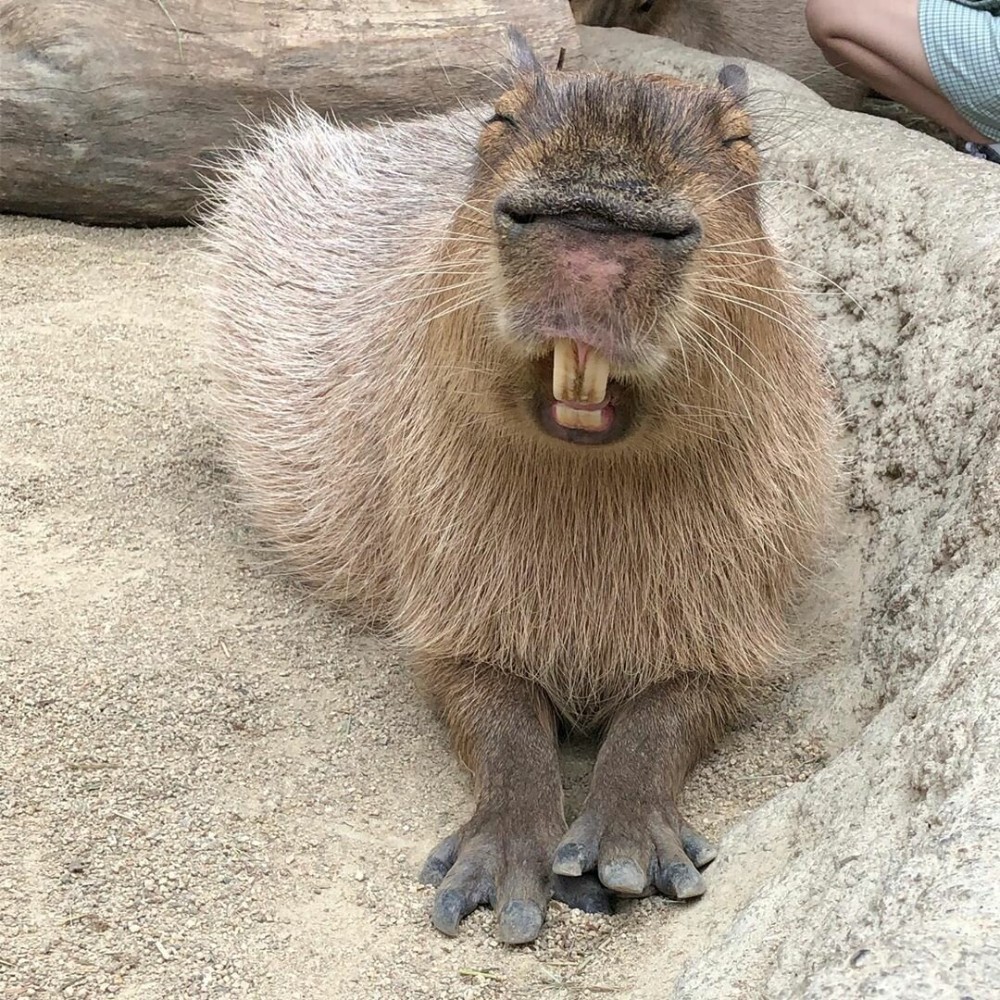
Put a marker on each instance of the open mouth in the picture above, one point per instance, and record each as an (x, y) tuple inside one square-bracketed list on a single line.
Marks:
[(579, 403)]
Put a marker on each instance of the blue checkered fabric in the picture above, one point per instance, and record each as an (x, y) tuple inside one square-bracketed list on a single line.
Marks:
[(961, 40)]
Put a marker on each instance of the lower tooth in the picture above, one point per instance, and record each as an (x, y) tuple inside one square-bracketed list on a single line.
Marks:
[(582, 420)]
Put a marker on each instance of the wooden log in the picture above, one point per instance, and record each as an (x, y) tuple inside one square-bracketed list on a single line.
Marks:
[(105, 108)]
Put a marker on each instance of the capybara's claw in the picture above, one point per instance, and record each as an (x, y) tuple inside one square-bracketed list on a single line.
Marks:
[(577, 851), (698, 848), (453, 905), (439, 861), (635, 855), (485, 864), (520, 921), (679, 880), (623, 876), (584, 892)]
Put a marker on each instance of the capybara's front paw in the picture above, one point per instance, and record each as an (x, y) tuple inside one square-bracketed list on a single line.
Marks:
[(490, 863), (636, 847)]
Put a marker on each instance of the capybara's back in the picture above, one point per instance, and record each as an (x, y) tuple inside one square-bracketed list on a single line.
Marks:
[(317, 243), (527, 383)]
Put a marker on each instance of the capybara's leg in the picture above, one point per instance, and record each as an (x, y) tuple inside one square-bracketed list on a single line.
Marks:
[(504, 731), (630, 830)]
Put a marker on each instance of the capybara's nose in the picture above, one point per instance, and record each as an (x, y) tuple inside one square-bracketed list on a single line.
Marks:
[(681, 230), (675, 227)]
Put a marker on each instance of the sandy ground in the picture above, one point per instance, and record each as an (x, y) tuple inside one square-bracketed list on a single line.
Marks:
[(210, 786)]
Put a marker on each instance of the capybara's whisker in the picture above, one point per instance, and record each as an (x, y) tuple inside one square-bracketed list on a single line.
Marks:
[(735, 243), (778, 316), (723, 274), (786, 182), (708, 345), (802, 267), (722, 326)]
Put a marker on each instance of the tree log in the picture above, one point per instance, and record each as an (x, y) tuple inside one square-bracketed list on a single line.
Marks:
[(107, 108)]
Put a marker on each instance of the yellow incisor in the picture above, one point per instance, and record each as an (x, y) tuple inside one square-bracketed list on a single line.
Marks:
[(579, 384)]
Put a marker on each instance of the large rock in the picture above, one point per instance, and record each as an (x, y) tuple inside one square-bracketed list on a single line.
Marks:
[(106, 108), (880, 876)]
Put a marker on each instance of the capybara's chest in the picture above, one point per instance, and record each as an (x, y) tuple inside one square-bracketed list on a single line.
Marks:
[(592, 587)]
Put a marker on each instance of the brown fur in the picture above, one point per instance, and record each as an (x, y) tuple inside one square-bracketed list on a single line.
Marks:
[(773, 32), (377, 357)]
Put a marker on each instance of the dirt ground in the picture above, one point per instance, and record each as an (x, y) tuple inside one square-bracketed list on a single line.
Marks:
[(212, 785)]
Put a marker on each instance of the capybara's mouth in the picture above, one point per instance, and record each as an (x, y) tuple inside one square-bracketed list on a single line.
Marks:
[(577, 401)]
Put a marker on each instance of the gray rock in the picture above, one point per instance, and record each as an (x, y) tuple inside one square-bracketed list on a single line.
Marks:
[(879, 876)]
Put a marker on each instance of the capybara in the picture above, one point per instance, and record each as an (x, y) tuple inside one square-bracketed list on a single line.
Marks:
[(773, 32), (527, 384)]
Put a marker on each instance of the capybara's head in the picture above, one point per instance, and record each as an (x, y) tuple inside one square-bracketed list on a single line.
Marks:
[(603, 196)]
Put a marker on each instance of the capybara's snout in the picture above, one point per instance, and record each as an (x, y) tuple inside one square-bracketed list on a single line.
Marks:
[(590, 265)]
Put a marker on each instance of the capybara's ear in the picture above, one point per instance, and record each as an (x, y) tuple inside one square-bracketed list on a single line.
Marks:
[(733, 77), (521, 58)]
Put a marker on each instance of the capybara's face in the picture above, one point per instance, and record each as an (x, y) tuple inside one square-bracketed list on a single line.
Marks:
[(603, 194)]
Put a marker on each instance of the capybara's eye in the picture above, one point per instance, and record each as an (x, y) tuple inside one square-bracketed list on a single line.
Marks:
[(733, 139), (645, 7), (501, 119)]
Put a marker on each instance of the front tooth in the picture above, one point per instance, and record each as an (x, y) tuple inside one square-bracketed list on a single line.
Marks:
[(564, 370), (594, 385), (582, 420)]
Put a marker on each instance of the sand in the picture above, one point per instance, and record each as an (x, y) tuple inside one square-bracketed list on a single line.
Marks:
[(211, 786)]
